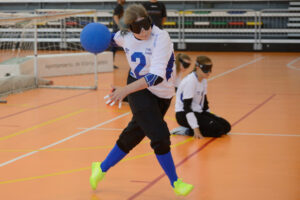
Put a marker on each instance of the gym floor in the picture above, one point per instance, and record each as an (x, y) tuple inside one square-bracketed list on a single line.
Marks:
[(49, 138)]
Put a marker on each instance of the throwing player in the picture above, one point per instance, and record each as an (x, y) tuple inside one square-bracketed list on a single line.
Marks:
[(150, 87)]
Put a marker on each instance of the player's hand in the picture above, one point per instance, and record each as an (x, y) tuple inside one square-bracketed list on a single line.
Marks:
[(197, 134), (116, 96)]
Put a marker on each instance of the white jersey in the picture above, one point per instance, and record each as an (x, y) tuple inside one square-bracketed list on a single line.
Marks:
[(154, 56), (191, 88)]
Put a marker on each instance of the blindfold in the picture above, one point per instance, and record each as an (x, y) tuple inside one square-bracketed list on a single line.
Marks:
[(204, 68), (136, 27), (184, 64)]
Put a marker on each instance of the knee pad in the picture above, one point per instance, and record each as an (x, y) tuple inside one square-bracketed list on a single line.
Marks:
[(161, 146)]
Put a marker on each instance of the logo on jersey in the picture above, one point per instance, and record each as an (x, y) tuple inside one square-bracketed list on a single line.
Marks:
[(148, 51)]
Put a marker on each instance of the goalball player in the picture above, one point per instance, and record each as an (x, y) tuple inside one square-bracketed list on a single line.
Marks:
[(150, 87), (191, 105)]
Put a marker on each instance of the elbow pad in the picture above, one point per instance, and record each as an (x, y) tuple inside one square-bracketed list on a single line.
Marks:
[(152, 79)]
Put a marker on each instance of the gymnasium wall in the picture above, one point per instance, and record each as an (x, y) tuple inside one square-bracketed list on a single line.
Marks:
[(110, 4), (274, 34)]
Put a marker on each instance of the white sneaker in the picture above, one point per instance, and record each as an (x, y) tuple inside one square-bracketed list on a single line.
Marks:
[(179, 131)]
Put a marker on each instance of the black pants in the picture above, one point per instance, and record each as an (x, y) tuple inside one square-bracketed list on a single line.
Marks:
[(210, 124), (148, 112), (128, 81)]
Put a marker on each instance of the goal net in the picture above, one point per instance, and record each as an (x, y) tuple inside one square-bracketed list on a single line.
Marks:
[(42, 49)]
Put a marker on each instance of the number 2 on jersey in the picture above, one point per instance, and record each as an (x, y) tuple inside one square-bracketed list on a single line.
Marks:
[(141, 65)]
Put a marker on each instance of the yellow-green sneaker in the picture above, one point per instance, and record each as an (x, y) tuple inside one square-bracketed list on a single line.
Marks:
[(181, 188), (97, 174)]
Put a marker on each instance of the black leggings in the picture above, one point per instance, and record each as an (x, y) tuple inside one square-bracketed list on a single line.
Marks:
[(210, 124), (148, 112)]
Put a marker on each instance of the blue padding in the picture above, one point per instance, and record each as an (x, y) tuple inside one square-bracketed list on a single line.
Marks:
[(150, 79)]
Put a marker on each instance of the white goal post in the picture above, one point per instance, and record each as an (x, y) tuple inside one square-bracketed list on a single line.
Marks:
[(45, 45)]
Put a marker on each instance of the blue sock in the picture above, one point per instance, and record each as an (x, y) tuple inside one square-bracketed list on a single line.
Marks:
[(166, 162), (114, 156)]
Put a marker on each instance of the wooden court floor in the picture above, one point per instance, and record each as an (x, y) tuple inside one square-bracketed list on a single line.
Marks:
[(49, 138)]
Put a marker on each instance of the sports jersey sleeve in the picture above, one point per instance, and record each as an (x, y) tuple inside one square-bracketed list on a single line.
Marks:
[(117, 39), (188, 95), (162, 52), (192, 120), (205, 87)]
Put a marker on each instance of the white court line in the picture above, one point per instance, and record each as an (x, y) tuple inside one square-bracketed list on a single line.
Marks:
[(290, 64), (259, 134), (63, 140), (106, 122), (266, 134), (236, 68), (105, 129)]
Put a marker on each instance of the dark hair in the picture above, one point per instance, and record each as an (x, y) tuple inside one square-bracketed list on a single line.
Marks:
[(181, 56)]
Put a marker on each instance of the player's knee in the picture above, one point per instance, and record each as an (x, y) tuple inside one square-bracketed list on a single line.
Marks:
[(212, 130), (130, 137), (126, 144), (161, 146)]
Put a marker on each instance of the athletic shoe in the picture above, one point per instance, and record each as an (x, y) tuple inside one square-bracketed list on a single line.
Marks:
[(181, 188), (179, 130), (97, 174)]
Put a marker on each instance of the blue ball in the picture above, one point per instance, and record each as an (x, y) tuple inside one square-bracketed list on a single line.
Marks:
[(95, 38)]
